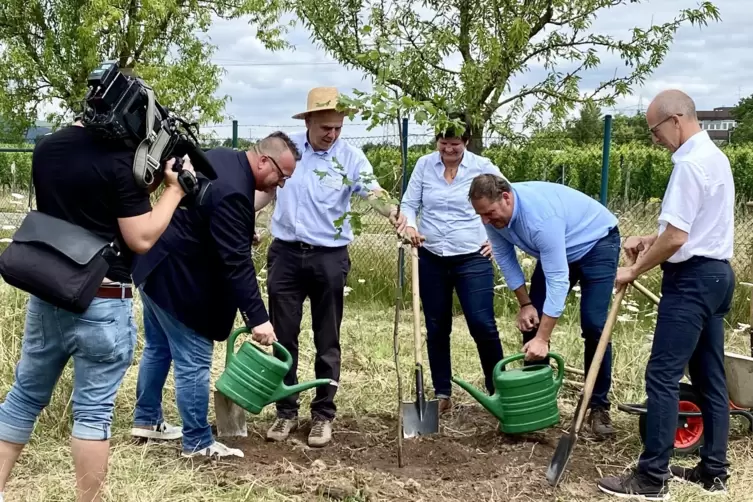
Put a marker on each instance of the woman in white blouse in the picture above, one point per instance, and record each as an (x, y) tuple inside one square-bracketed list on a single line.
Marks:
[(454, 254)]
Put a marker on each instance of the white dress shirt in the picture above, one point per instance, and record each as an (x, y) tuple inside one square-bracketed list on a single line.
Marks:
[(700, 200)]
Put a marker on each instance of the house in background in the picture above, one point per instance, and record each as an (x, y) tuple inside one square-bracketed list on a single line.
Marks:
[(718, 122)]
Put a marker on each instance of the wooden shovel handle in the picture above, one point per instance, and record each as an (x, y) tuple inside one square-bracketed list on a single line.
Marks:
[(416, 305), (601, 349), (646, 292)]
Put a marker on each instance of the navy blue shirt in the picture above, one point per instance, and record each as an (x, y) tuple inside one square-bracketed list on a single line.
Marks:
[(201, 270)]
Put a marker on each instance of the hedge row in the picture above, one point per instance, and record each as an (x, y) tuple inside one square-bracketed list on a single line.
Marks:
[(636, 171)]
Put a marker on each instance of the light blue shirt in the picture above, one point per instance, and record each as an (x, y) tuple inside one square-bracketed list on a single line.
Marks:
[(319, 193), (557, 225), (448, 220)]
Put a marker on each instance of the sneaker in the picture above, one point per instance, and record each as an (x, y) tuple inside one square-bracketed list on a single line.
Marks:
[(321, 433), (163, 431), (696, 475), (216, 450), (633, 485), (281, 429), (600, 422)]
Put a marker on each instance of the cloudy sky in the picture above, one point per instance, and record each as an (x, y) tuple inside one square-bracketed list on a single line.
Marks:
[(714, 64)]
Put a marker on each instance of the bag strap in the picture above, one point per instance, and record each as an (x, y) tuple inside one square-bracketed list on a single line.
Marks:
[(149, 151)]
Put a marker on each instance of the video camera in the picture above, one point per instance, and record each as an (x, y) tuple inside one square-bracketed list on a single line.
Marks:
[(123, 109)]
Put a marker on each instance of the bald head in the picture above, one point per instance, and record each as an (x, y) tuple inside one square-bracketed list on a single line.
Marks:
[(674, 102), (672, 119)]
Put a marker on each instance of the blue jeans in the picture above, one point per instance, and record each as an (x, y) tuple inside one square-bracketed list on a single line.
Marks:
[(168, 340), (472, 277), (101, 342), (596, 273), (696, 295)]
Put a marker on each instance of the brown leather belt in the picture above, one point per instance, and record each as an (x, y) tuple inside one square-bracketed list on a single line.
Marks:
[(115, 292)]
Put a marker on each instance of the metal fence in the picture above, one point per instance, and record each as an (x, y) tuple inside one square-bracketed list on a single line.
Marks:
[(375, 269)]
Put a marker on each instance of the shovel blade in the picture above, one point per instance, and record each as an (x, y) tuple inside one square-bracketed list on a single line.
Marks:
[(560, 458), (231, 418), (420, 420)]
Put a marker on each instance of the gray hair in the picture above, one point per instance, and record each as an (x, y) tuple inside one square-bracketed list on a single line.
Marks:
[(675, 102), (488, 186), (276, 144)]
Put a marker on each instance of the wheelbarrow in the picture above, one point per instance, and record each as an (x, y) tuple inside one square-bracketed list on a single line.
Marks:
[(689, 432)]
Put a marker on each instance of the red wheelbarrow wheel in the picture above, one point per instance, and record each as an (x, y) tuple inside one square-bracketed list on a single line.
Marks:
[(689, 432)]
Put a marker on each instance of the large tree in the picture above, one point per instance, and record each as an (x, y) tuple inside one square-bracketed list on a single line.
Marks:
[(410, 46), (47, 49)]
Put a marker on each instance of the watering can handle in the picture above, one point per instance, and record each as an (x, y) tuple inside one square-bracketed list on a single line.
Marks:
[(560, 368), (286, 357), (560, 364)]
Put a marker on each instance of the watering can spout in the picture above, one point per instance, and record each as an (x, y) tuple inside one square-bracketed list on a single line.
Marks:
[(284, 391), (486, 401)]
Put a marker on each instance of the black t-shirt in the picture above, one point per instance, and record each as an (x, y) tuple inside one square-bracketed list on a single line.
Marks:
[(89, 183)]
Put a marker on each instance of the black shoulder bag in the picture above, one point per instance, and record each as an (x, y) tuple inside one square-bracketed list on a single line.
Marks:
[(57, 261)]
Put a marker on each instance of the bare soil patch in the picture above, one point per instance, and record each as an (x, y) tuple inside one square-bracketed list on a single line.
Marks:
[(469, 460)]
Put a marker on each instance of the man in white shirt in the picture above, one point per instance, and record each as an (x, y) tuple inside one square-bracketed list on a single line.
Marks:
[(693, 246)]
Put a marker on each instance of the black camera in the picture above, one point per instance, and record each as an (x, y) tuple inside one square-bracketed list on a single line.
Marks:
[(122, 108)]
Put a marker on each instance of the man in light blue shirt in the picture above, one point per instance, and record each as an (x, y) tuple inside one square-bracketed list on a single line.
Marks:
[(575, 239), (309, 254)]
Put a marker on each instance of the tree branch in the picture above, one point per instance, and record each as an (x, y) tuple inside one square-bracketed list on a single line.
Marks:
[(464, 37)]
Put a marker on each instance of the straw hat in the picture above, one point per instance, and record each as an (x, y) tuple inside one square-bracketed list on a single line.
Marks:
[(320, 99)]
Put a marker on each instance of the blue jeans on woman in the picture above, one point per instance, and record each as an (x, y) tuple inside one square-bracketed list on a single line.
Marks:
[(472, 277), (168, 340)]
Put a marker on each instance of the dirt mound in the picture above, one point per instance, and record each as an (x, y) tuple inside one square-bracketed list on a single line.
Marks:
[(468, 460)]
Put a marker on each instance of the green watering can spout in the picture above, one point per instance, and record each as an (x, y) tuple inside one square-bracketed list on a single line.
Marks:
[(284, 391), (487, 402), (253, 378)]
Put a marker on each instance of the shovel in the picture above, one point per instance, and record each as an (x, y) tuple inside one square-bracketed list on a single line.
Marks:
[(567, 442), (420, 418), (230, 418)]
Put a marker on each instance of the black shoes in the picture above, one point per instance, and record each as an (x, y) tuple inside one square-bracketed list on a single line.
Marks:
[(714, 486), (634, 485)]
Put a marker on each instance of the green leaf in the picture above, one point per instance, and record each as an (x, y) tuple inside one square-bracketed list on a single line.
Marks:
[(47, 50)]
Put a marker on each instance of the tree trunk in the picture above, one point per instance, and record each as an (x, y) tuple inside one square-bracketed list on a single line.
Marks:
[(476, 143)]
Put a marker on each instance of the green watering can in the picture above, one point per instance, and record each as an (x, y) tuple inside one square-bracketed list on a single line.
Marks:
[(253, 378), (525, 399)]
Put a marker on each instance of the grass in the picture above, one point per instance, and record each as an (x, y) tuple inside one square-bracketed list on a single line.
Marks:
[(153, 472), (468, 461)]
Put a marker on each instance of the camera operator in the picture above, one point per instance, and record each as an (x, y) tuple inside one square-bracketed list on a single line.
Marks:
[(193, 283), (88, 182)]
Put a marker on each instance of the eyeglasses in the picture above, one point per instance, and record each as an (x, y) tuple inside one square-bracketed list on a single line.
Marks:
[(283, 176), (653, 130)]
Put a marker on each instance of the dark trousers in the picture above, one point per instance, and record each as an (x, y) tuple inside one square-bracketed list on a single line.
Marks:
[(472, 277), (295, 272), (595, 272), (696, 295)]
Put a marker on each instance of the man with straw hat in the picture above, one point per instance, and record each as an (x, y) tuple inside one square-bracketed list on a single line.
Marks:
[(309, 255)]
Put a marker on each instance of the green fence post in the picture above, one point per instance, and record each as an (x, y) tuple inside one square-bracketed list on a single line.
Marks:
[(605, 159), (235, 134), (403, 185)]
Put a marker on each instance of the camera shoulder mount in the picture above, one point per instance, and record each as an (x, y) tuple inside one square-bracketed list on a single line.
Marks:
[(124, 109)]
